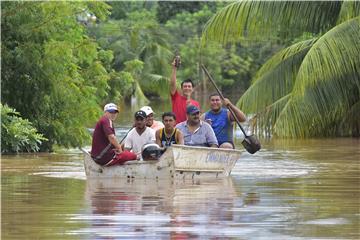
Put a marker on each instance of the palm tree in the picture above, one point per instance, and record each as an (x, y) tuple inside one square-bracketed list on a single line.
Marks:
[(141, 48), (311, 88)]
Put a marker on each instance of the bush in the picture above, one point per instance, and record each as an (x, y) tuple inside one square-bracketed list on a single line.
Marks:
[(17, 134)]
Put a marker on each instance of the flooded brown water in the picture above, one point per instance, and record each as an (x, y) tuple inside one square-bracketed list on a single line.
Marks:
[(305, 189)]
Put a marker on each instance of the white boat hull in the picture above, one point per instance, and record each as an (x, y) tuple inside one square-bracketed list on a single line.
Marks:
[(179, 162)]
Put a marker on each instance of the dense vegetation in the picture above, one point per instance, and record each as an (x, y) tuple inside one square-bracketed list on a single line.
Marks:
[(62, 61), (17, 134), (311, 88)]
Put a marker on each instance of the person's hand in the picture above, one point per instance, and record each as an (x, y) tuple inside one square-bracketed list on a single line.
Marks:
[(226, 102), (176, 62), (118, 150)]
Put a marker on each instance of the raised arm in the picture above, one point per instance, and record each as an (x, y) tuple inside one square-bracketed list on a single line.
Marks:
[(238, 113), (173, 79)]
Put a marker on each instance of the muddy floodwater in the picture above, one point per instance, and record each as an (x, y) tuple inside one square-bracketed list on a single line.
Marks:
[(298, 189)]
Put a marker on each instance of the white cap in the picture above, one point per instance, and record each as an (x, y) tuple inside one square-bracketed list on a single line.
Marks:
[(111, 107), (148, 110)]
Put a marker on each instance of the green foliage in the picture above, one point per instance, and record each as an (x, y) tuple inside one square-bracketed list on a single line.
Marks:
[(258, 19), (231, 65), (51, 71), (167, 9), (349, 10), (138, 38), (310, 88), (18, 134)]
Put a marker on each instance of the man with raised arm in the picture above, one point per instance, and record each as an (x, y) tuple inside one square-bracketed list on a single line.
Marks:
[(181, 100)]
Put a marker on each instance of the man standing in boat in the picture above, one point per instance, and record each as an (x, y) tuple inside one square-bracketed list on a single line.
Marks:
[(180, 102), (197, 132), (169, 134), (105, 148), (140, 135), (150, 122), (221, 120)]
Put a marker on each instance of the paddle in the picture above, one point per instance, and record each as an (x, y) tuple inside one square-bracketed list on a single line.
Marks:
[(250, 143), (125, 135)]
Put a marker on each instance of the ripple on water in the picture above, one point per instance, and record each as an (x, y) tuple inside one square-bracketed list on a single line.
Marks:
[(272, 164)]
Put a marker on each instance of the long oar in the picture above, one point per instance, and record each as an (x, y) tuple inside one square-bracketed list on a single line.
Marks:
[(109, 145), (125, 135), (250, 142)]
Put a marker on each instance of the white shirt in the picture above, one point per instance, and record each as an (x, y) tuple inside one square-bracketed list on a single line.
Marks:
[(135, 142)]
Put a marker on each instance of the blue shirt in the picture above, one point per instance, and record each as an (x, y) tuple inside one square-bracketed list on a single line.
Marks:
[(221, 125), (203, 136)]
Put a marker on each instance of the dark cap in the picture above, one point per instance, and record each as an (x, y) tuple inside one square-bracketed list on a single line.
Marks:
[(191, 109), (140, 113)]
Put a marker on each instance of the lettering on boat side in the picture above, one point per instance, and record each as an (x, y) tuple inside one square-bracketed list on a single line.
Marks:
[(216, 157)]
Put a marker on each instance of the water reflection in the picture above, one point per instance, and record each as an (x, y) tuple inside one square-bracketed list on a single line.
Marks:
[(289, 190), (165, 209)]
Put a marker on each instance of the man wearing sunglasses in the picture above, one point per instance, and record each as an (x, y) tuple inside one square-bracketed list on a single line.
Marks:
[(195, 131)]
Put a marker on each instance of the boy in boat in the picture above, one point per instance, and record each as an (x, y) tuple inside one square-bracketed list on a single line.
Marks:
[(139, 135), (169, 134), (105, 148), (221, 120), (180, 102), (197, 132), (150, 122)]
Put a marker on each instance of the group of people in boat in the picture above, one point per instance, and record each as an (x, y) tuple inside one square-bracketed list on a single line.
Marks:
[(184, 125)]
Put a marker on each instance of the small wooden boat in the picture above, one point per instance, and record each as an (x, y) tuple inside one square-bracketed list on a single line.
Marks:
[(178, 161)]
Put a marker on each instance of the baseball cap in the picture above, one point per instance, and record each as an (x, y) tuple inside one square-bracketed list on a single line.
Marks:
[(140, 113), (111, 107), (191, 109), (148, 110)]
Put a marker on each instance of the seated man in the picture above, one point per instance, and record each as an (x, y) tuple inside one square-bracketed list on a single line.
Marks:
[(105, 148), (139, 135), (197, 132), (150, 122), (169, 134), (221, 120)]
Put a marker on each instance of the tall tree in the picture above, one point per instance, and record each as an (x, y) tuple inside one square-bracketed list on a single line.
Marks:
[(311, 88), (51, 71), (141, 50)]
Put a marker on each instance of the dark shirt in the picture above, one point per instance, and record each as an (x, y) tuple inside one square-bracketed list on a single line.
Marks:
[(166, 142), (100, 141)]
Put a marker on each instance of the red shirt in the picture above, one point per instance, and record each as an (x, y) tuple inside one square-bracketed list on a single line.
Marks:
[(179, 106), (100, 141)]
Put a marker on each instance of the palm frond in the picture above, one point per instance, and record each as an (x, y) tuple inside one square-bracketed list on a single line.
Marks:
[(275, 79), (262, 19), (156, 84), (327, 85), (349, 10)]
